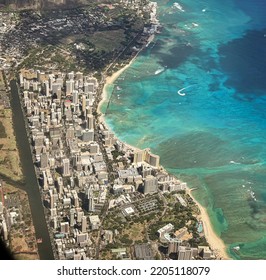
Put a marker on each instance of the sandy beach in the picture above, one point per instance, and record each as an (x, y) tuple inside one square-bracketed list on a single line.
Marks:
[(109, 81), (215, 242), (104, 95)]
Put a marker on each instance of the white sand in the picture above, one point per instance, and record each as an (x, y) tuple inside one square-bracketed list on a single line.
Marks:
[(109, 81), (215, 242)]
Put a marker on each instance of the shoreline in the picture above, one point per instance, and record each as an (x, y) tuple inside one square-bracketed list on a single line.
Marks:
[(214, 241), (109, 80)]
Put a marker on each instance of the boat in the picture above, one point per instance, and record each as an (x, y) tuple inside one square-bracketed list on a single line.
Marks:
[(236, 248), (158, 71)]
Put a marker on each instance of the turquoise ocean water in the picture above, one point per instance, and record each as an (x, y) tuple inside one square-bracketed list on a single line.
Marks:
[(197, 97)]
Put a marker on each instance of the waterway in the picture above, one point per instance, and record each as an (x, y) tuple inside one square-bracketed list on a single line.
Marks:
[(31, 183)]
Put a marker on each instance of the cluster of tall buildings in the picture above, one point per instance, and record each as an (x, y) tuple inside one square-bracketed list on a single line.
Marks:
[(72, 165), (177, 249), (73, 175)]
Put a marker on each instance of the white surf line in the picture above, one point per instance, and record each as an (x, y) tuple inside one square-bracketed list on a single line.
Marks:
[(180, 91), (234, 162)]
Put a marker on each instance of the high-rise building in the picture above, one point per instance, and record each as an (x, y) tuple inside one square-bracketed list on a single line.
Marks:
[(53, 212), (35, 86), (92, 80), (66, 167), (86, 88), (88, 110), (70, 133), (5, 230), (91, 205), (72, 217), (46, 88), (146, 171), (42, 117), (173, 246), (77, 162), (44, 160), (79, 216), (48, 120), (84, 224), (71, 75), (89, 88), (138, 156), (64, 227), (59, 116), (83, 103), (90, 121), (69, 87), (184, 253), (94, 148), (40, 76), (52, 200), (79, 76), (21, 79), (59, 81), (1, 208), (45, 181), (26, 85), (150, 184), (75, 97), (88, 135), (55, 88), (94, 222), (205, 252), (153, 160), (51, 81), (55, 223), (75, 198), (82, 237)]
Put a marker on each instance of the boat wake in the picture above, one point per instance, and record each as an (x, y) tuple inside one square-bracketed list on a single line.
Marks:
[(178, 6), (234, 162), (181, 93)]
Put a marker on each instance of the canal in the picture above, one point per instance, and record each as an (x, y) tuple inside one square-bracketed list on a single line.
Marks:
[(31, 183)]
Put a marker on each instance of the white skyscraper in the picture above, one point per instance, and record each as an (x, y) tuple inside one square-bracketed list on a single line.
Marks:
[(90, 200), (75, 97), (150, 184), (80, 215), (46, 88), (90, 121), (45, 182), (72, 217), (21, 79), (51, 81), (69, 86), (66, 167), (84, 224), (71, 75)]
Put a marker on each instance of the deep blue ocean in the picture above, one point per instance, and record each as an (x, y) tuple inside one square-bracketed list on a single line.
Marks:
[(197, 97)]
